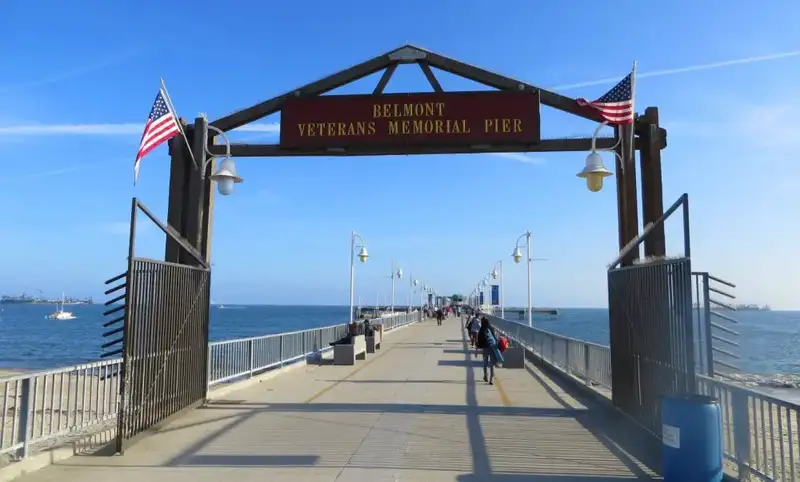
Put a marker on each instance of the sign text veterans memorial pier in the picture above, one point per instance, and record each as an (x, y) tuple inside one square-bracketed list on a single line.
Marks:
[(453, 118)]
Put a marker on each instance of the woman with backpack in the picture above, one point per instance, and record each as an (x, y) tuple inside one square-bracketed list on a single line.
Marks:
[(487, 342)]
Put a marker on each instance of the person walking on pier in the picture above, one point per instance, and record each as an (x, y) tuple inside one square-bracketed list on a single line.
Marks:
[(473, 327), (487, 342)]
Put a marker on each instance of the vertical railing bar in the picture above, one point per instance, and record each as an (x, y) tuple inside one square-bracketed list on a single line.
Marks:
[(772, 435), (763, 437), (3, 416), (751, 403)]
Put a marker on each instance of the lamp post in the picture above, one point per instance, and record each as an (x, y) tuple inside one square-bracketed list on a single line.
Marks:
[(362, 256), (594, 171), (495, 275), (517, 255), (399, 275), (225, 177), (412, 283)]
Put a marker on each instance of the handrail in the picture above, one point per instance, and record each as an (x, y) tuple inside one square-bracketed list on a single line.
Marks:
[(635, 242), (82, 399)]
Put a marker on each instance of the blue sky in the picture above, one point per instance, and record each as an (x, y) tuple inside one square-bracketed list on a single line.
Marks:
[(81, 77)]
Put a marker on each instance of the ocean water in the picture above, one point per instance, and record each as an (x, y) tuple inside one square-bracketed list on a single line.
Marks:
[(769, 342)]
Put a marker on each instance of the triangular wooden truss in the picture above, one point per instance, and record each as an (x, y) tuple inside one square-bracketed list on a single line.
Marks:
[(649, 138), (426, 59)]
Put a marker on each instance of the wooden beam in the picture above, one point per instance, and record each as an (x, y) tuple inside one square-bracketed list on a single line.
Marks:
[(387, 74), (545, 145), (426, 69), (652, 189), (196, 200), (629, 222), (407, 54), (263, 109), (180, 166)]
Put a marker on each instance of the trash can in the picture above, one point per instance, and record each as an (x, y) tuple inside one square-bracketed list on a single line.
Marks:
[(691, 439)]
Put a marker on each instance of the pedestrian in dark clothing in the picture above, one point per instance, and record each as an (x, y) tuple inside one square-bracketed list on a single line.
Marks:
[(487, 342)]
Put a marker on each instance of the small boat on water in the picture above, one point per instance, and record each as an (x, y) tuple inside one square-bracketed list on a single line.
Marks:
[(60, 314)]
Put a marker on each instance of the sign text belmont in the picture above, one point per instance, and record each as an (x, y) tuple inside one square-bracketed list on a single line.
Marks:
[(454, 118)]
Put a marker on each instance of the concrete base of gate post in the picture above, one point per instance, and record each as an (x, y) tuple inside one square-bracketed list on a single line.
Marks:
[(514, 357)]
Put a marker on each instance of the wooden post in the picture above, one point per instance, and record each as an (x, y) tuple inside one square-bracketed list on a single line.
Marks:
[(627, 202), (180, 167), (652, 190), (196, 200)]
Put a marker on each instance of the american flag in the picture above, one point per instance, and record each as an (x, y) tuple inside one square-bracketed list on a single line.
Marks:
[(162, 125), (616, 105)]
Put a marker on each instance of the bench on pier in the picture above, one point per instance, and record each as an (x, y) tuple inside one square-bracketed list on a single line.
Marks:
[(374, 341), (346, 354), (514, 356)]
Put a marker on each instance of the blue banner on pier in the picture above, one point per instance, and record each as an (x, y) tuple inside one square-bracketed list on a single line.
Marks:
[(430, 299), (495, 295), (480, 302)]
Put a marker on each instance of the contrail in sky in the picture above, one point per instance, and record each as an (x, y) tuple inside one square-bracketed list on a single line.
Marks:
[(680, 70), (76, 72)]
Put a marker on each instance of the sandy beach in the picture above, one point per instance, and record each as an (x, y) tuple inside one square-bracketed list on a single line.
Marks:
[(10, 372)]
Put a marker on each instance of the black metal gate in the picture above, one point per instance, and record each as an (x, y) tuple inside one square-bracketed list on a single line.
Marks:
[(165, 337), (650, 315)]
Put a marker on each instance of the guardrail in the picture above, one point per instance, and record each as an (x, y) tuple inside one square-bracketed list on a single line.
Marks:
[(55, 406), (761, 437), (71, 401), (761, 433), (588, 361)]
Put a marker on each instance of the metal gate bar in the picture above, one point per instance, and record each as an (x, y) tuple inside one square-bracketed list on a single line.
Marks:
[(165, 337)]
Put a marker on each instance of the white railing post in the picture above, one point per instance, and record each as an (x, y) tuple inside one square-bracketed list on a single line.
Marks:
[(586, 364), (250, 357), (209, 369), (26, 417)]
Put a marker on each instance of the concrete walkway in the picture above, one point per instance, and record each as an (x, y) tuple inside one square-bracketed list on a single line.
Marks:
[(417, 411)]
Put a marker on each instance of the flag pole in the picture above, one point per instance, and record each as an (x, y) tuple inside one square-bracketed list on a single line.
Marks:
[(178, 121)]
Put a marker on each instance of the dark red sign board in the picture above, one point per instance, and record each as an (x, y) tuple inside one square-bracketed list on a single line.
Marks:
[(450, 118)]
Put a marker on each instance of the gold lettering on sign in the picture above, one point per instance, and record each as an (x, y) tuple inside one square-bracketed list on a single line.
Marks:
[(336, 129), (502, 126), (414, 109), (438, 126)]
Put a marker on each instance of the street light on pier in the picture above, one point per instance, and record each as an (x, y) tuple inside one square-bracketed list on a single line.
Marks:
[(517, 255), (225, 177), (495, 274), (412, 283), (362, 256), (396, 273), (594, 171)]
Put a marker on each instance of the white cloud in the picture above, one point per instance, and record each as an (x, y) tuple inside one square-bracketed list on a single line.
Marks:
[(519, 157), (104, 129), (73, 73)]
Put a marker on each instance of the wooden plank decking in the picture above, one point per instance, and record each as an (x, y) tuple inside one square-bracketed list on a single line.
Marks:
[(418, 410)]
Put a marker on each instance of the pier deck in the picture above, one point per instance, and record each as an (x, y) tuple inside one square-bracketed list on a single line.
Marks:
[(418, 410)]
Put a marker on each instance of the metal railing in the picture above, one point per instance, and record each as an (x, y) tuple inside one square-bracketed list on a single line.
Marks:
[(50, 407), (70, 401), (591, 362), (234, 359), (761, 433), (715, 338)]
